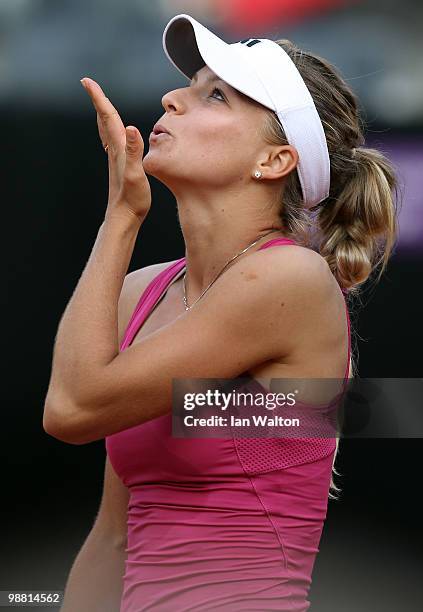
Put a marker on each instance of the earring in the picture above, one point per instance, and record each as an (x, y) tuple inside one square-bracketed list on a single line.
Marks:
[(258, 174)]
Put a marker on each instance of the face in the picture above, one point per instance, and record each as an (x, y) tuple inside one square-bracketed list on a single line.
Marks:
[(214, 139)]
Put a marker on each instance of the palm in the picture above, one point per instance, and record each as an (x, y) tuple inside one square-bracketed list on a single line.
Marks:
[(128, 184)]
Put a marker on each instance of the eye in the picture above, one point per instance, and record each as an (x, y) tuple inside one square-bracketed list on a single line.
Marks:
[(220, 93)]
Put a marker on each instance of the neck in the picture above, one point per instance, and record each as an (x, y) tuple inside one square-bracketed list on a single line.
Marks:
[(214, 234)]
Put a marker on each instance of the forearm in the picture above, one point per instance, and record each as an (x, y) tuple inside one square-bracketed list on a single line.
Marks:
[(95, 580), (87, 336)]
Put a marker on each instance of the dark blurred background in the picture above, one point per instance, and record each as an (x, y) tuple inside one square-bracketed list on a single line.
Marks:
[(54, 185)]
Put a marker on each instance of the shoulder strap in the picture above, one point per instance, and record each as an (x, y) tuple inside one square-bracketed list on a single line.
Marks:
[(149, 299), (276, 241)]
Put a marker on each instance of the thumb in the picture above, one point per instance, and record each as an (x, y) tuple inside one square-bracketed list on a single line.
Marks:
[(134, 142)]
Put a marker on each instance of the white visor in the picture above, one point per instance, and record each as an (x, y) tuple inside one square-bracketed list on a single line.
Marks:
[(263, 71)]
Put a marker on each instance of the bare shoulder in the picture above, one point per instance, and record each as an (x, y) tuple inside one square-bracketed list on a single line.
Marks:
[(305, 277), (293, 267), (290, 291), (313, 309)]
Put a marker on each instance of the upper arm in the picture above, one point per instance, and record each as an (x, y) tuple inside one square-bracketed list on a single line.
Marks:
[(254, 312), (111, 520)]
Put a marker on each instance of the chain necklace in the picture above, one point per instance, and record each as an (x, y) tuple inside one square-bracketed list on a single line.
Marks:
[(226, 264)]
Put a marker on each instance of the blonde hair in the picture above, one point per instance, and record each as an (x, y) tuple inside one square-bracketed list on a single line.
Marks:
[(355, 228)]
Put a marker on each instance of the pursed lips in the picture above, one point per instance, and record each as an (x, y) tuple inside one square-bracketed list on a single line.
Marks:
[(158, 137), (160, 129)]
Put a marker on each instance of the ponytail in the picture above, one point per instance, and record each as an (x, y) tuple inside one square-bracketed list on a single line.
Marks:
[(358, 227)]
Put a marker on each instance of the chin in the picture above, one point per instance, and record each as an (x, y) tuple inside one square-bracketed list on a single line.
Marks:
[(155, 170), (151, 166)]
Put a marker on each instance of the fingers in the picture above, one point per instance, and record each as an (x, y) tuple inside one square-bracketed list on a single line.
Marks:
[(134, 142), (134, 152), (136, 192), (103, 106), (110, 126)]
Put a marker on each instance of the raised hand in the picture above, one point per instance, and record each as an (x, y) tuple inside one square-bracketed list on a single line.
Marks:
[(129, 189)]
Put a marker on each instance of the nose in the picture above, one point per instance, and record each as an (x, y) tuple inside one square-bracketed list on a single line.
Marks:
[(173, 101)]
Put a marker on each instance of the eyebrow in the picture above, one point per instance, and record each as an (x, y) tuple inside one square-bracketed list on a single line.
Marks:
[(214, 78), (210, 79)]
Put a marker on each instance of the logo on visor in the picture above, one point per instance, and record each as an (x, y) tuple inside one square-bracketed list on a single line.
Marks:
[(250, 42)]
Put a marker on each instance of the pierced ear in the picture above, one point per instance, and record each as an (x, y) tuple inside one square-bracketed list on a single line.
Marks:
[(280, 162)]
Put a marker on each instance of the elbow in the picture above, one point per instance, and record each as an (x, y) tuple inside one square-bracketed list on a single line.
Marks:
[(66, 423), (59, 431)]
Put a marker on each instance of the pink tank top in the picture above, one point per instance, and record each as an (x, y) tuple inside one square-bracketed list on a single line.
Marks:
[(222, 524)]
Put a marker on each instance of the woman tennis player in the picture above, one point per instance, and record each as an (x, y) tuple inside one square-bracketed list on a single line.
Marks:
[(263, 153)]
